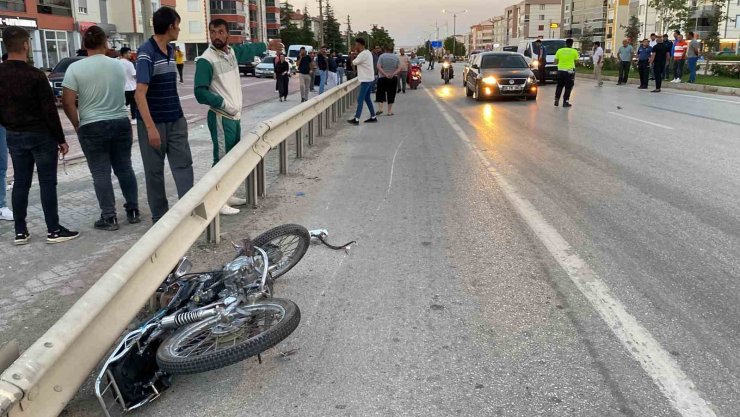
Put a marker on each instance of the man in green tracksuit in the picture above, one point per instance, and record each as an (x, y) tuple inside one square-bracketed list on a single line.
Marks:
[(218, 85)]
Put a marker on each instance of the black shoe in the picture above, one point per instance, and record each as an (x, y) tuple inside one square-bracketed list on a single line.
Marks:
[(657, 90), (133, 216), (566, 104), (61, 235), (303, 100), (557, 102), (22, 238), (379, 112), (642, 88), (353, 121), (404, 91), (372, 120), (110, 224)]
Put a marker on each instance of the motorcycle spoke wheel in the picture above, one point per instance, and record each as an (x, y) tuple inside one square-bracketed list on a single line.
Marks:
[(285, 246)]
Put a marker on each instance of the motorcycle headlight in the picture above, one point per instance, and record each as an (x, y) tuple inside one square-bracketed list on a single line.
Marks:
[(535, 64), (446, 65), (490, 80)]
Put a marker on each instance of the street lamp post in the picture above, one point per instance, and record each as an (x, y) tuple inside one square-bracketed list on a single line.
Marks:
[(454, 14)]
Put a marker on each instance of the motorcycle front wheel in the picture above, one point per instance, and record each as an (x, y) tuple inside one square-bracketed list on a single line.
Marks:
[(285, 246), (213, 344)]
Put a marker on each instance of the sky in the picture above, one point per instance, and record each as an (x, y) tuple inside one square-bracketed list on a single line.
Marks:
[(410, 22)]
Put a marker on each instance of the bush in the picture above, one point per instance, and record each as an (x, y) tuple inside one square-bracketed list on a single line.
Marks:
[(726, 58), (731, 71)]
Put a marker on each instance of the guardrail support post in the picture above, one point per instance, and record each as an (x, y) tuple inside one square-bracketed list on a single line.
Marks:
[(213, 232), (252, 189), (310, 133), (321, 125), (261, 179), (328, 119), (299, 143), (283, 151)]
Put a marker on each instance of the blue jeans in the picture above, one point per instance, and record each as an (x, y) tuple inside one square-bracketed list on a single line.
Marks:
[(692, 68), (340, 75), (365, 91), (3, 166), (322, 83), (107, 144), (26, 150)]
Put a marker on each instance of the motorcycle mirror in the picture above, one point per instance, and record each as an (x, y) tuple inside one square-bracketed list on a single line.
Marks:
[(183, 267)]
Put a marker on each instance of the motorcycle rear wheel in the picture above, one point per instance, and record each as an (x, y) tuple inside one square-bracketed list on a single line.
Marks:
[(210, 344), (285, 246)]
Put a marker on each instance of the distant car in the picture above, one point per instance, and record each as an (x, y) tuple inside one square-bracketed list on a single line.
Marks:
[(56, 76), (500, 74), (246, 68), (293, 65), (266, 68), (468, 63), (422, 60)]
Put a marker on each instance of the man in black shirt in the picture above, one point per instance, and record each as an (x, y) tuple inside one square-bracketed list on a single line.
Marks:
[(323, 64), (304, 69), (34, 134), (658, 60)]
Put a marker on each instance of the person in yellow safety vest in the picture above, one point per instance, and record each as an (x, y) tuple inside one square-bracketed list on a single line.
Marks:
[(180, 61)]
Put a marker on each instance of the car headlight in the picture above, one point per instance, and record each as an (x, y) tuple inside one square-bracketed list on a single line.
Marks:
[(446, 65), (530, 80), (490, 80)]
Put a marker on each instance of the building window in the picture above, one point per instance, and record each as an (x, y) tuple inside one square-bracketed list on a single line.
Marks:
[(54, 47), (193, 5), (236, 28), (82, 6), (542, 7), (55, 7), (541, 27), (14, 5), (272, 33), (737, 20), (567, 7), (227, 7), (195, 26), (542, 17)]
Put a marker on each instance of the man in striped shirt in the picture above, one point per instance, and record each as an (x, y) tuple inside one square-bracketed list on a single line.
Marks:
[(162, 128)]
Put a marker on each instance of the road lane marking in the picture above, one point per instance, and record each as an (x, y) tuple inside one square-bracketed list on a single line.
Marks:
[(703, 98), (675, 385), (640, 120), (714, 119)]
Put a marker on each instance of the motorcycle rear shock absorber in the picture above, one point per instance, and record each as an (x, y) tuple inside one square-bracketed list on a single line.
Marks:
[(179, 320)]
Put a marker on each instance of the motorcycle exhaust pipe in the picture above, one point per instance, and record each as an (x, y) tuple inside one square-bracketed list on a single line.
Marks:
[(179, 320)]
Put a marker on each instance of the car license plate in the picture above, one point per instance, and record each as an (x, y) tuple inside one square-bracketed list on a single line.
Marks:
[(511, 87)]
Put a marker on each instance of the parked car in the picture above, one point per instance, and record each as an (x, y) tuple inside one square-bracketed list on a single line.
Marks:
[(500, 74), (266, 68), (246, 68), (56, 76), (468, 63)]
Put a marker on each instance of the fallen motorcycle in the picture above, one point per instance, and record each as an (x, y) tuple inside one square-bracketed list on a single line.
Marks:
[(207, 320)]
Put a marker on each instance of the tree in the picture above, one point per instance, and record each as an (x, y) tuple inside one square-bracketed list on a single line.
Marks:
[(586, 40), (670, 14), (451, 48), (366, 36), (307, 36), (632, 30), (290, 34), (332, 35), (380, 37), (712, 38), (422, 51)]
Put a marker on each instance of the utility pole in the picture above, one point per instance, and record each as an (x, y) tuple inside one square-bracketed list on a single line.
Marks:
[(454, 14), (146, 19), (349, 35), (321, 23)]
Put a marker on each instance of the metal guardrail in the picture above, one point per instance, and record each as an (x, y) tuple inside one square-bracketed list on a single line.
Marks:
[(49, 373)]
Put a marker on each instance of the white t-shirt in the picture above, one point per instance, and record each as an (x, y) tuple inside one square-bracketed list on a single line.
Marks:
[(364, 64), (598, 54), (653, 43), (130, 71)]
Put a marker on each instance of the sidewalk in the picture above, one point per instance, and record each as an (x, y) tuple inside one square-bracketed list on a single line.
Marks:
[(40, 281)]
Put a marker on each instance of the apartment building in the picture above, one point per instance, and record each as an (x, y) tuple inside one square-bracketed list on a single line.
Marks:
[(499, 32), (195, 15), (481, 36), (534, 18), (586, 17), (234, 13), (511, 16)]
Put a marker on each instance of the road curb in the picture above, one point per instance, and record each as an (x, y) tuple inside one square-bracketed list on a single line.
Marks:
[(701, 88)]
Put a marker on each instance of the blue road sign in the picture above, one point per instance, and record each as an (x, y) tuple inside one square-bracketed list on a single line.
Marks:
[(436, 44)]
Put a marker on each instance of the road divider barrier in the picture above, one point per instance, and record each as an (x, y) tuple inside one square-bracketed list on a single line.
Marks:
[(48, 374)]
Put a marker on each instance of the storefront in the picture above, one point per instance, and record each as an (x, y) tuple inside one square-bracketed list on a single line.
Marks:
[(27, 23)]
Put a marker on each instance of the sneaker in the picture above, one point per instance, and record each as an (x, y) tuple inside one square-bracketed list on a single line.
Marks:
[(22, 238), (678, 81), (354, 121), (133, 122), (557, 102), (61, 235), (110, 224), (236, 201), (566, 104), (372, 120), (133, 216), (228, 211), (6, 214)]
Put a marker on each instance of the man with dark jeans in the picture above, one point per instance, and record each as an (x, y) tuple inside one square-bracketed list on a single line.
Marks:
[(565, 59), (102, 126), (624, 53), (661, 53), (643, 65), (34, 134), (667, 68), (162, 128)]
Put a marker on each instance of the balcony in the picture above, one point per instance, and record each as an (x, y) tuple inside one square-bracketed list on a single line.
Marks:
[(55, 7), (13, 5)]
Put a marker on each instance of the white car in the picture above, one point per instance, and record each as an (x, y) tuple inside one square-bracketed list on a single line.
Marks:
[(266, 68), (422, 61)]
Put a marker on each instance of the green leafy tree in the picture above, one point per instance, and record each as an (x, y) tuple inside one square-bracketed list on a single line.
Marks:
[(632, 30), (381, 37), (333, 38), (366, 36), (290, 33), (307, 37), (712, 38), (422, 51), (452, 48), (671, 14)]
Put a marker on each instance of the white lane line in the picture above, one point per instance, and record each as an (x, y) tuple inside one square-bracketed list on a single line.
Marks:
[(640, 120), (637, 340), (703, 98), (393, 165)]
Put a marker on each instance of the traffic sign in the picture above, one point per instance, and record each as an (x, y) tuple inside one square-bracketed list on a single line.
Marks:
[(436, 44), (554, 25)]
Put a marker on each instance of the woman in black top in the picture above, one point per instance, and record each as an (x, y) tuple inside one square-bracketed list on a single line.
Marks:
[(282, 73)]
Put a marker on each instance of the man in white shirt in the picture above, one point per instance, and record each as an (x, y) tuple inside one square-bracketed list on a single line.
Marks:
[(598, 60), (366, 74), (130, 87)]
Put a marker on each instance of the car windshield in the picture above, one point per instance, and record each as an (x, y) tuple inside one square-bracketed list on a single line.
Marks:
[(503, 61), (268, 60), (293, 53), (552, 46), (64, 64)]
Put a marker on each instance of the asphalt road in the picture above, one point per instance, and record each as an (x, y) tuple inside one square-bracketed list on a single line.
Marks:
[(514, 259)]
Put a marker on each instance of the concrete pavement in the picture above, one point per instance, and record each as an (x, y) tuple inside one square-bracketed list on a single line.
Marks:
[(454, 302)]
